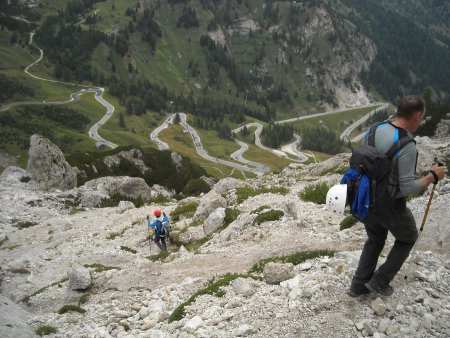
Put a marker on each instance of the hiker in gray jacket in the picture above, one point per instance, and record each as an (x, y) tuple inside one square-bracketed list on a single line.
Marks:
[(401, 223)]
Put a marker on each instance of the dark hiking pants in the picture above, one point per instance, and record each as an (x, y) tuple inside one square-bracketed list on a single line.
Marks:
[(160, 241), (403, 227)]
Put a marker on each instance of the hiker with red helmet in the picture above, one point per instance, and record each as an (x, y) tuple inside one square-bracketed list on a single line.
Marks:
[(162, 228)]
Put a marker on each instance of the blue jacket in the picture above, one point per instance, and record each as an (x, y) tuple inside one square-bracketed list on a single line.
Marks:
[(157, 223), (361, 203)]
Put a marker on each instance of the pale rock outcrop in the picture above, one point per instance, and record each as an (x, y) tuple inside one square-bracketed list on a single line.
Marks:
[(275, 273), (48, 167), (443, 128), (124, 206), (338, 161), (12, 174), (92, 192), (13, 320), (225, 185), (79, 278), (133, 155), (214, 221), (209, 202), (242, 286), (176, 158)]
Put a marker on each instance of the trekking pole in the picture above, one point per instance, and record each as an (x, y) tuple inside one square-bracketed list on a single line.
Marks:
[(149, 245), (413, 251)]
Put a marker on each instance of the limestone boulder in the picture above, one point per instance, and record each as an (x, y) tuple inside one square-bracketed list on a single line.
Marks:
[(209, 202), (227, 184), (124, 206), (275, 273), (48, 167), (214, 221), (12, 175), (79, 278)]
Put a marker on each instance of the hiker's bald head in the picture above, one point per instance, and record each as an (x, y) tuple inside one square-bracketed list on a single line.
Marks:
[(409, 105)]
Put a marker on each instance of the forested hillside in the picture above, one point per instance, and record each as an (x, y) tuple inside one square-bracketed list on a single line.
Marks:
[(224, 62)]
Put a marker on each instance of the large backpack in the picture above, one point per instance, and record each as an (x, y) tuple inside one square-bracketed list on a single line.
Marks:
[(368, 178), (165, 229)]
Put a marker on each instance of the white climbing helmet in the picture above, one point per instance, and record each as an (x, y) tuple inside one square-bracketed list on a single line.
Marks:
[(336, 198)]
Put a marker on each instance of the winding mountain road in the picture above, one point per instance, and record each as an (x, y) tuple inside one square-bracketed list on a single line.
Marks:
[(154, 134), (98, 92)]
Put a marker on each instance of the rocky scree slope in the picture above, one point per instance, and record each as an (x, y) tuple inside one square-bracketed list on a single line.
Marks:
[(125, 294)]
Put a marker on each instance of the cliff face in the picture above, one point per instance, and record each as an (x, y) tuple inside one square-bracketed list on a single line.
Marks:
[(42, 236)]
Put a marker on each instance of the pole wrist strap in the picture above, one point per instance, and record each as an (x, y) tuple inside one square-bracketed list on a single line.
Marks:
[(436, 178)]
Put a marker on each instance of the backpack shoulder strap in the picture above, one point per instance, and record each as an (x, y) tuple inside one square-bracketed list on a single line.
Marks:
[(372, 131), (397, 146)]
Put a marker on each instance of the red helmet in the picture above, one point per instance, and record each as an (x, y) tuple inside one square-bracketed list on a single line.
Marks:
[(157, 213)]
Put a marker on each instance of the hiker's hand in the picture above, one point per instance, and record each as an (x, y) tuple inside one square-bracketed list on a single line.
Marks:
[(147, 217), (440, 171)]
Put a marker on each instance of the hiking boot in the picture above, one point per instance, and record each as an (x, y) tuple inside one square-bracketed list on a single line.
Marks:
[(377, 287), (357, 291)]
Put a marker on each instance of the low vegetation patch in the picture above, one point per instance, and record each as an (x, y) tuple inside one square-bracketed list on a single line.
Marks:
[(316, 193), (115, 234), (24, 224), (83, 299), (296, 258), (71, 308), (125, 248), (213, 288), (271, 215), (100, 268), (195, 187), (161, 255), (25, 179), (27, 298), (243, 193), (114, 201), (194, 245), (348, 222), (230, 216), (184, 210), (45, 330)]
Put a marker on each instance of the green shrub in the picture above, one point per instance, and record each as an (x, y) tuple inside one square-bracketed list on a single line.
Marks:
[(25, 179), (315, 193), (185, 210), (296, 258), (213, 288), (271, 215), (71, 308), (45, 330), (230, 216), (195, 187), (24, 224), (243, 193), (125, 248), (347, 222)]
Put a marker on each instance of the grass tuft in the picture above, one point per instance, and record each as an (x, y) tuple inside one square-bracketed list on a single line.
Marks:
[(45, 330), (159, 256), (71, 308), (100, 268), (24, 224), (296, 258), (315, 193), (347, 222), (244, 193), (185, 210), (213, 288), (125, 248), (271, 215)]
